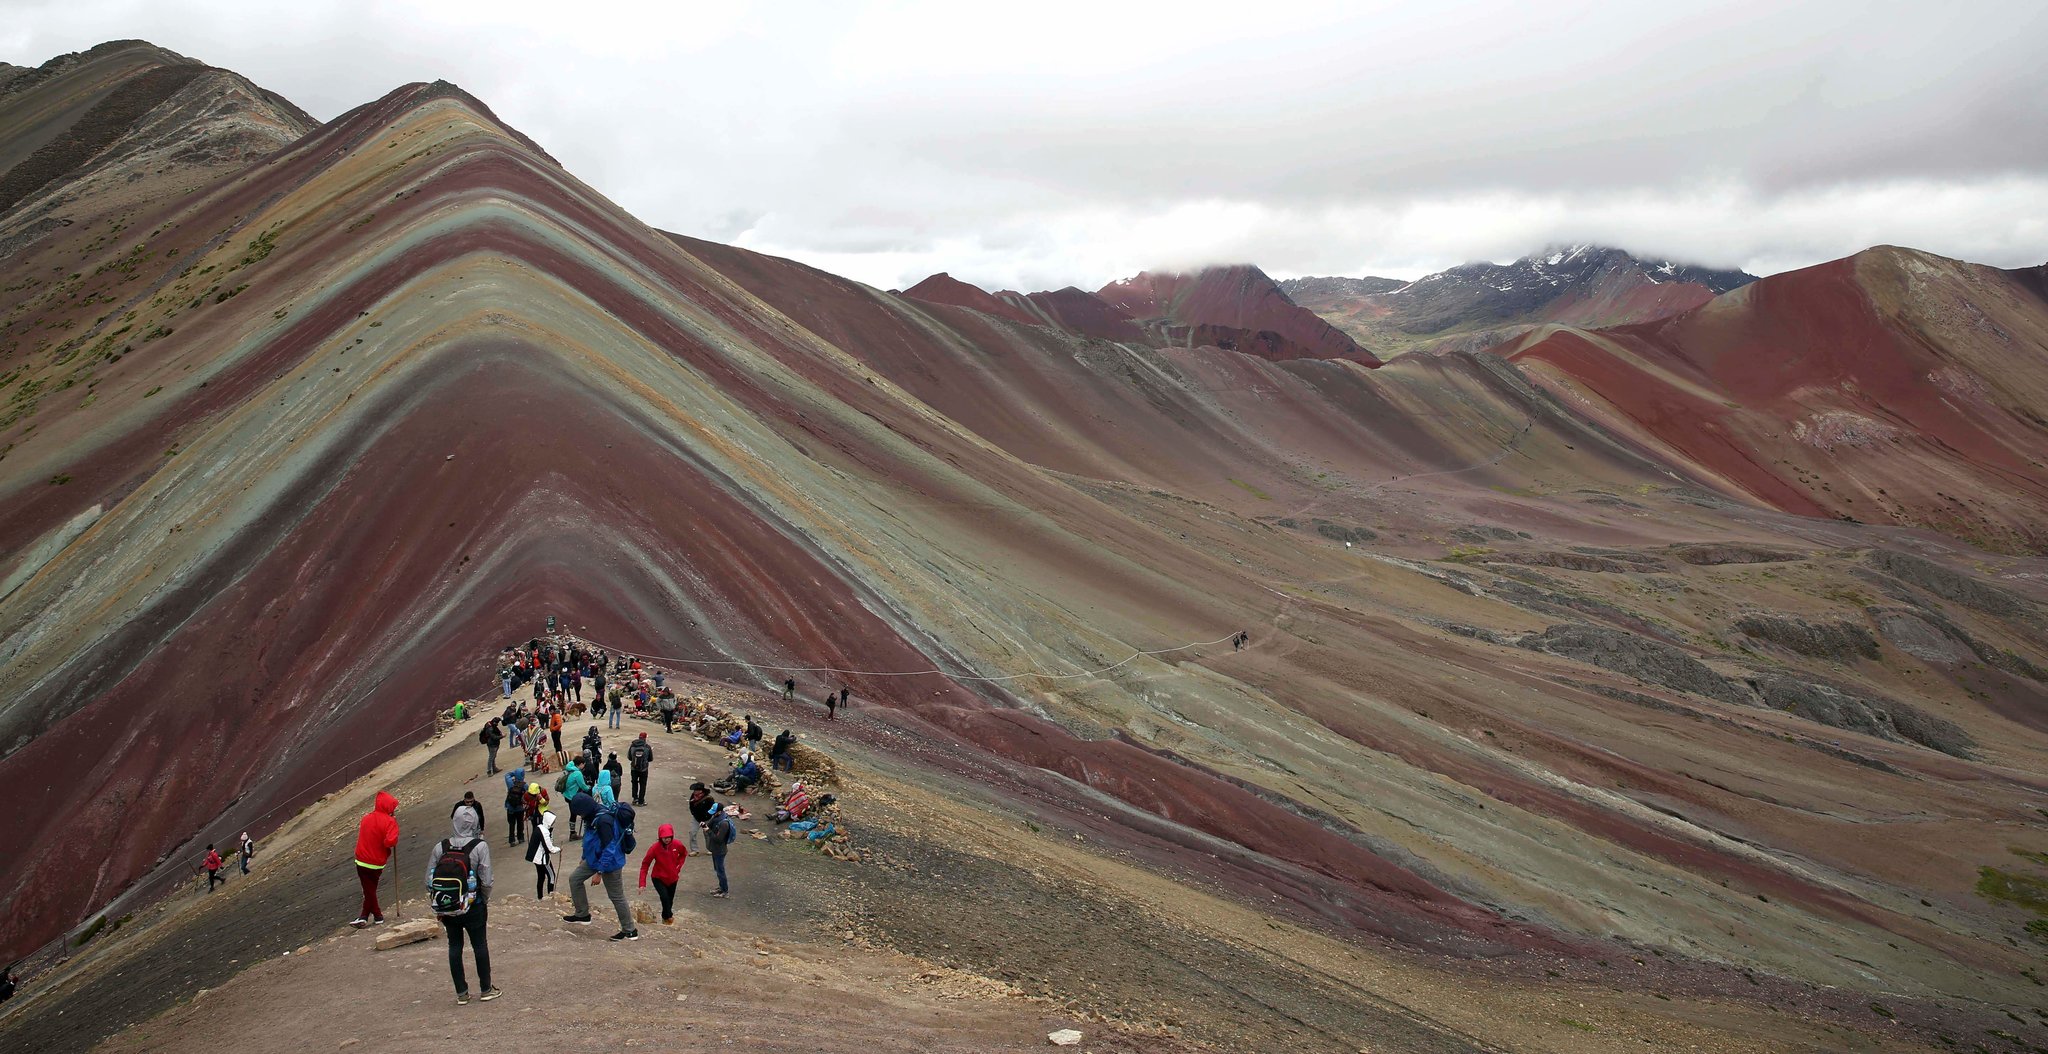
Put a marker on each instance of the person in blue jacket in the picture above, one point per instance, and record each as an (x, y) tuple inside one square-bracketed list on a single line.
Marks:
[(606, 846)]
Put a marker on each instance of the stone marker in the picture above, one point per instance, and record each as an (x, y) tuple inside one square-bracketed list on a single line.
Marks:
[(408, 933)]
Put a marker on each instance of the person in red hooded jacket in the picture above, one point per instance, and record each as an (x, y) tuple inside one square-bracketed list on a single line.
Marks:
[(666, 857), (213, 864), (376, 837)]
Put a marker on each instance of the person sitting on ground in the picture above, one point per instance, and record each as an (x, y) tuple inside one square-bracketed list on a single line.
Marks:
[(794, 804), (745, 774), (212, 864), (781, 756), (733, 738), (666, 857)]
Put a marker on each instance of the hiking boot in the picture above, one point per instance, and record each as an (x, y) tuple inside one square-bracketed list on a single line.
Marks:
[(668, 920), (580, 920), (490, 994), (462, 999)]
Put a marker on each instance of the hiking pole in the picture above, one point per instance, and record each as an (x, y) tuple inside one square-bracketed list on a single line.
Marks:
[(397, 888)]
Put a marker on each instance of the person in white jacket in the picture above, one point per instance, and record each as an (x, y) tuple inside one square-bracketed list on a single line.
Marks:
[(541, 851)]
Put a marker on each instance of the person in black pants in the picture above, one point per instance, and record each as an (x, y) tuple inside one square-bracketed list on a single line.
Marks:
[(465, 831), (642, 756)]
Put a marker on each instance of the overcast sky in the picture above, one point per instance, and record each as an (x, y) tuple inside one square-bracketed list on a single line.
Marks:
[(1040, 145)]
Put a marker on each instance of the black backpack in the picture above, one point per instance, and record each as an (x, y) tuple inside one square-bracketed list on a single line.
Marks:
[(452, 890)]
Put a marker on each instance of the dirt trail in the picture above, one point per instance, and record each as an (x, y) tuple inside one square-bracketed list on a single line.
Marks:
[(970, 930)]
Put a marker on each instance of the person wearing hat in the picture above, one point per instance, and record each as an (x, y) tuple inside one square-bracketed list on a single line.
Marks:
[(719, 833)]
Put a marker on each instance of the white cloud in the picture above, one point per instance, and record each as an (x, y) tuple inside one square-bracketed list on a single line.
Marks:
[(1071, 143)]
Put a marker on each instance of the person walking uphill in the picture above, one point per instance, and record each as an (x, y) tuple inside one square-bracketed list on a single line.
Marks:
[(490, 736), (376, 837), (247, 851), (666, 857), (515, 805), (606, 847), (459, 890), (212, 864), (641, 753)]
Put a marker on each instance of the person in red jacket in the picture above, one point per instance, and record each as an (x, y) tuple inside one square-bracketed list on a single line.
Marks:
[(213, 864), (666, 857), (376, 837)]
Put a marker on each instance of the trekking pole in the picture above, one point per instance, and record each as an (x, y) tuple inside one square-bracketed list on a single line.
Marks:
[(397, 887)]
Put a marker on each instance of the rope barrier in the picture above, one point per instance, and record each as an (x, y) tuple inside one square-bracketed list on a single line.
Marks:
[(907, 673)]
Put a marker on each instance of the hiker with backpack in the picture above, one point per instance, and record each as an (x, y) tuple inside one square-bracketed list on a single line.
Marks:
[(618, 774), (642, 755), (490, 737), (605, 849), (542, 850), (515, 805), (572, 785), (459, 891), (753, 735), (719, 834), (376, 837), (666, 703), (666, 857)]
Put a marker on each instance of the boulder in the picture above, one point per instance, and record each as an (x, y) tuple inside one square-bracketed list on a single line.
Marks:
[(1065, 1037), (406, 933)]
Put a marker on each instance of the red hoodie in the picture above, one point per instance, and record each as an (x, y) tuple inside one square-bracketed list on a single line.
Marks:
[(665, 856), (213, 861), (378, 832)]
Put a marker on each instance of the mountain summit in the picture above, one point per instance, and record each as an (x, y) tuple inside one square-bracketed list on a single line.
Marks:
[(1482, 303)]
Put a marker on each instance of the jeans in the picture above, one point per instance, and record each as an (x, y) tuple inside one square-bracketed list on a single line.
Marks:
[(491, 762), (718, 865), (245, 865), (507, 683), (667, 891), (470, 924), (614, 887), (612, 716), (639, 786), (783, 762)]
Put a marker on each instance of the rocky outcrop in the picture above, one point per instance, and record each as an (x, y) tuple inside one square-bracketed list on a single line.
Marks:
[(1712, 554), (1839, 641), (1949, 584), (1638, 657), (1858, 712)]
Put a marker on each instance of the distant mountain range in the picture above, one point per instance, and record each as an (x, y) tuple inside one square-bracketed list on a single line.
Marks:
[(1475, 305)]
